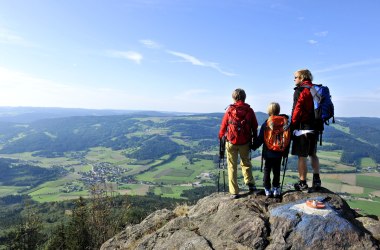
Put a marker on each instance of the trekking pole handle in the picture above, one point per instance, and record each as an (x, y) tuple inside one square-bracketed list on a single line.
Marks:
[(222, 147)]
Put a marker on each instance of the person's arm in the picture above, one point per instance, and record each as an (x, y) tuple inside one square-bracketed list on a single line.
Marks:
[(223, 126), (254, 125), (260, 139), (297, 108)]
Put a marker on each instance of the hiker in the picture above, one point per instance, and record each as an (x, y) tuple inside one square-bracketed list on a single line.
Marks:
[(304, 136), (272, 156), (239, 125)]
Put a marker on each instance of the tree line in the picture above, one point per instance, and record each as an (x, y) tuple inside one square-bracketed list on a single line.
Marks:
[(79, 224)]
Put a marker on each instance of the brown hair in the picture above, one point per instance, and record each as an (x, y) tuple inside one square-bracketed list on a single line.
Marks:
[(239, 95)]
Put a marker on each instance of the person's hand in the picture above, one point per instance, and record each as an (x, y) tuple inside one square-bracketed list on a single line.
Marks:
[(252, 144)]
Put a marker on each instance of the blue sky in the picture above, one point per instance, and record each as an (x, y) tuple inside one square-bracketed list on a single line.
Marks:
[(189, 55)]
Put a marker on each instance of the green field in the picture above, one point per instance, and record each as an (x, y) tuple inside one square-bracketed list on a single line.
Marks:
[(106, 155), (133, 189), (341, 128), (51, 197), (9, 190), (178, 171), (171, 191), (367, 181), (169, 178), (367, 162), (366, 207), (42, 161)]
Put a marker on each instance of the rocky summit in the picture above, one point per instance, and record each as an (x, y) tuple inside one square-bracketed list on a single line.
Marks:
[(254, 222)]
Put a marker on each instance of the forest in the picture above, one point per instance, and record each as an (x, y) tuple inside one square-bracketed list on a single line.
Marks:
[(81, 223)]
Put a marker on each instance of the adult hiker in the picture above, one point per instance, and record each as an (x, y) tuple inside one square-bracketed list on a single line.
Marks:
[(304, 136), (275, 137), (239, 125)]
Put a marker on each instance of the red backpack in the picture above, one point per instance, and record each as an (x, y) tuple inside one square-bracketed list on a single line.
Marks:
[(277, 133), (239, 124)]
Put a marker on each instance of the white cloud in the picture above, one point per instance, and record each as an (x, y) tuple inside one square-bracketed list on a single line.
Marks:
[(130, 55), (20, 89), (150, 44), (195, 61), (322, 33), (187, 58), (8, 37), (312, 42), (216, 66), (349, 65)]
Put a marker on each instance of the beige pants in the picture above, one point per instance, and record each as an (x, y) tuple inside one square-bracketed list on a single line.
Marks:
[(232, 160)]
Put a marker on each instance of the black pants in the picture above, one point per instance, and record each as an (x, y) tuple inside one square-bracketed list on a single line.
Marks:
[(272, 164), (305, 145)]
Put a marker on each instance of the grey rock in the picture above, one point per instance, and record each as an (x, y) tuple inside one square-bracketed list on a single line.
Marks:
[(372, 225), (253, 222)]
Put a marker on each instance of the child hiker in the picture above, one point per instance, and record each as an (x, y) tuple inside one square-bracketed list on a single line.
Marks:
[(275, 137)]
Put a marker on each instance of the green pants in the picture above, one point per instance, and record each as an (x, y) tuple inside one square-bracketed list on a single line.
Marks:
[(246, 167)]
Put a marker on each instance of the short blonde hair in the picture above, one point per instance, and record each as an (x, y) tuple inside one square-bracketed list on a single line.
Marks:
[(239, 95), (304, 75), (273, 108)]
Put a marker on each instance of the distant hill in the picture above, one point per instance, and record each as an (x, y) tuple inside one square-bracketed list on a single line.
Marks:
[(31, 114), (78, 130)]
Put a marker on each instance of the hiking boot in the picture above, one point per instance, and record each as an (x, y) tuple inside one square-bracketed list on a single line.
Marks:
[(268, 192), (252, 187), (316, 182), (235, 196), (300, 186), (276, 192)]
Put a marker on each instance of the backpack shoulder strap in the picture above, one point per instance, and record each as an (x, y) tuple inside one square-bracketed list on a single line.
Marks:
[(229, 110), (229, 107), (316, 96), (314, 93)]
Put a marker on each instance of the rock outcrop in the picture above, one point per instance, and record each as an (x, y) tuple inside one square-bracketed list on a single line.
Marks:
[(254, 222)]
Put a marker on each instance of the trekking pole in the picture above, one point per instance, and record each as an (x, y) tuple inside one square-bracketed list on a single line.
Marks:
[(284, 164), (222, 148), (224, 176), (219, 173)]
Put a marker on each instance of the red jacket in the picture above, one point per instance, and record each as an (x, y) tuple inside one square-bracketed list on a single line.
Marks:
[(250, 117), (303, 107)]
